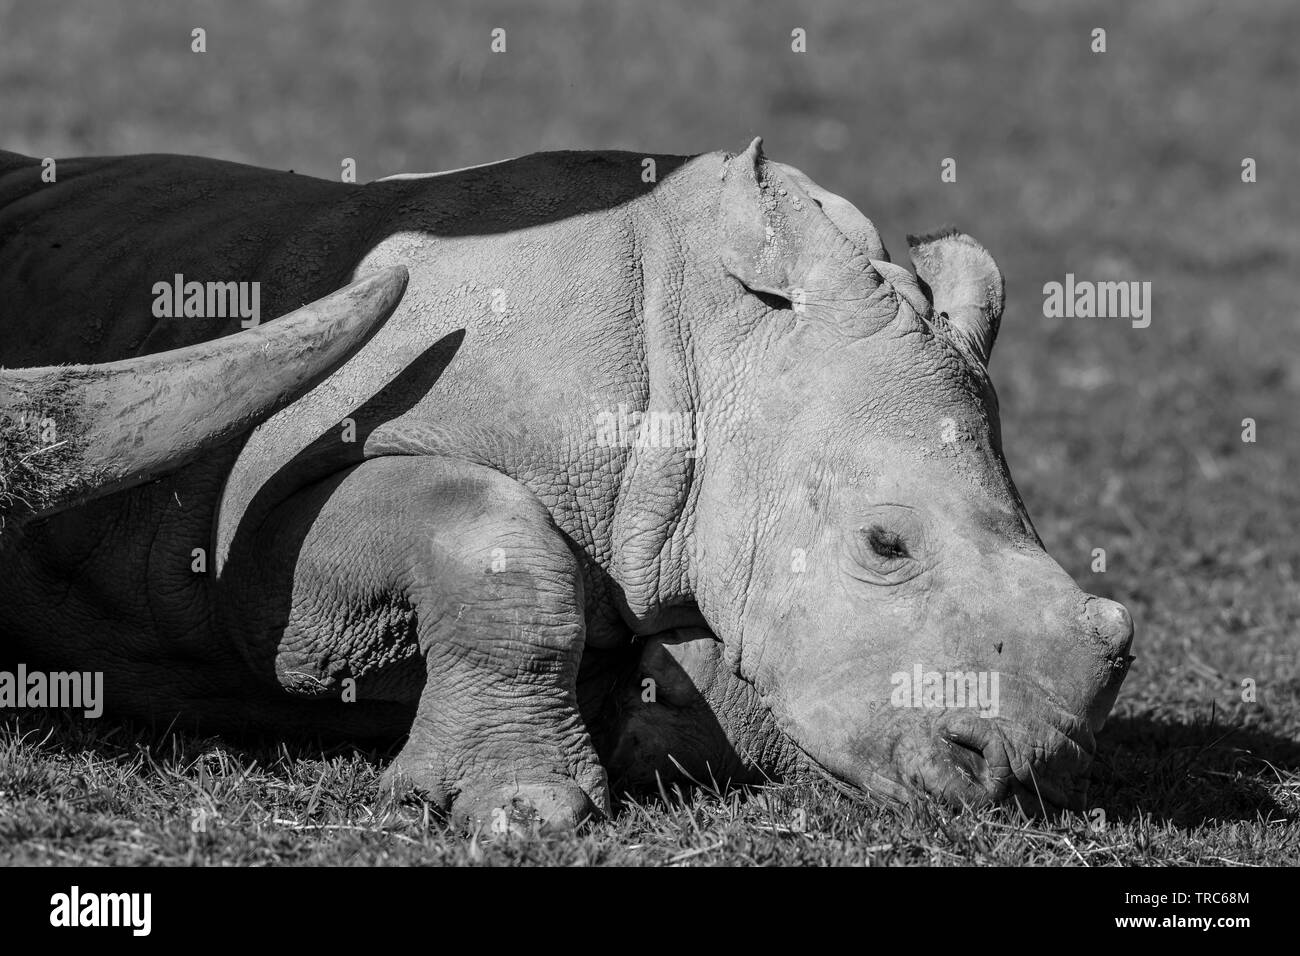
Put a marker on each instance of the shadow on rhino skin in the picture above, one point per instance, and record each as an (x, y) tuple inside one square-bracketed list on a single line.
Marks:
[(350, 221), (678, 738), (322, 459)]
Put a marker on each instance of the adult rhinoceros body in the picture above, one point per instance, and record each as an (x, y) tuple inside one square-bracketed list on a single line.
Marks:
[(462, 533)]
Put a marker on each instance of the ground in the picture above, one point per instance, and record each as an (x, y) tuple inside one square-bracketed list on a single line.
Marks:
[(1123, 165)]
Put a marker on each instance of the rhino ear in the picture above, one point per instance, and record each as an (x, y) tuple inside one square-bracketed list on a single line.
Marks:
[(965, 285), (848, 219), (776, 239), (760, 244)]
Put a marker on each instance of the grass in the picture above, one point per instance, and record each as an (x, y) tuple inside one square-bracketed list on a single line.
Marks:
[(1123, 165), (1190, 793), (37, 465)]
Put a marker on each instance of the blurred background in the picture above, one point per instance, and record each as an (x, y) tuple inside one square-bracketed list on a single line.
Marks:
[(1123, 165)]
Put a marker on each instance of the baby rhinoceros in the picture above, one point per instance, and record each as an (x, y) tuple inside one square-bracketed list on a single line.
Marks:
[(645, 471)]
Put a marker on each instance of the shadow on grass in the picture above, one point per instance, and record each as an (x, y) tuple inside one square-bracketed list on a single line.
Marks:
[(115, 740), (1186, 774), (1192, 773)]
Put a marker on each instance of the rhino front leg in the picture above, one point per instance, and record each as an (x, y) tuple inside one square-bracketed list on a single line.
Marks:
[(452, 566)]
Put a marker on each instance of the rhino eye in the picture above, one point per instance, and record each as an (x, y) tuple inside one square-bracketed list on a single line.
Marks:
[(886, 544), (878, 555)]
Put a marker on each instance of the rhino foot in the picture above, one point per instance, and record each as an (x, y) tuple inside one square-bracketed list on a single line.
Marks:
[(516, 808), (521, 808)]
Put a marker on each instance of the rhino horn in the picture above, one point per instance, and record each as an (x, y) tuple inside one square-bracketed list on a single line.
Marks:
[(124, 423), (965, 285)]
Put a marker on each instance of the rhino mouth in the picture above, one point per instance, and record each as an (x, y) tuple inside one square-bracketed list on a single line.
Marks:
[(978, 762), (1039, 765)]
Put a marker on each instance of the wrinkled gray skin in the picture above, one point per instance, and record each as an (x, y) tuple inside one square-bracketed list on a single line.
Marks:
[(479, 568)]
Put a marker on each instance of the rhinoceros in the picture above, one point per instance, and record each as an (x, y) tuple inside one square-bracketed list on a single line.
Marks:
[(70, 434), (660, 466)]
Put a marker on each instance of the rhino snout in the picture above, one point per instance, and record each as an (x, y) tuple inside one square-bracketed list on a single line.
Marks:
[(1039, 750)]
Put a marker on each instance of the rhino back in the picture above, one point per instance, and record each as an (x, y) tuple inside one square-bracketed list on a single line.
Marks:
[(80, 256)]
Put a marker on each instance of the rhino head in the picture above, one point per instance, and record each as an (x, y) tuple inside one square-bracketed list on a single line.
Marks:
[(877, 599), (72, 433)]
